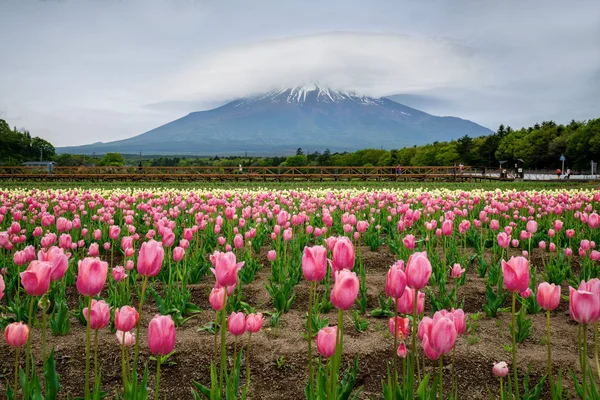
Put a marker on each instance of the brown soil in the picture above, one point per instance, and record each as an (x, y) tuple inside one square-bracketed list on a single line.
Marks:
[(475, 353)]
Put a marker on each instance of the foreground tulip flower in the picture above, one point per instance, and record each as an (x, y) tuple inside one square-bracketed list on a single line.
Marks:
[(16, 335), (584, 306), (36, 278), (118, 273), (126, 318), (418, 270), (91, 276), (409, 241), (58, 259), (225, 268), (516, 274), (548, 296), (161, 341), (217, 298), (395, 283), (500, 369), (457, 271), (342, 254), (272, 255), (314, 263), (150, 258), (345, 289), (327, 341), (100, 315), (236, 323)]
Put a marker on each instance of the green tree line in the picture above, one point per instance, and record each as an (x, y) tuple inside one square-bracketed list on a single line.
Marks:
[(539, 146)]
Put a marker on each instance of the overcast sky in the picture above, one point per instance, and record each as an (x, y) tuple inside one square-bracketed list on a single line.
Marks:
[(81, 71)]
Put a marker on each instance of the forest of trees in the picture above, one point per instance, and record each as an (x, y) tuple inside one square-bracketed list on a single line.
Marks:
[(17, 147), (539, 146)]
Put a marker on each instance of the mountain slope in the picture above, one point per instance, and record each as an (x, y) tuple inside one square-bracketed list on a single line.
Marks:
[(280, 121)]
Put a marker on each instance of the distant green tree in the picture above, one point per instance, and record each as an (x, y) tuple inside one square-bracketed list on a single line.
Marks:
[(113, 160)]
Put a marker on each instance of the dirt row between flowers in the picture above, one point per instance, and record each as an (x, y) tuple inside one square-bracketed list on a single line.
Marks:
[(279, 363)]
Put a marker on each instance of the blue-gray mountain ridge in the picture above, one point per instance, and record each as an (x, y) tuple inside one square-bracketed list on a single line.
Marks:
[(311, 117)]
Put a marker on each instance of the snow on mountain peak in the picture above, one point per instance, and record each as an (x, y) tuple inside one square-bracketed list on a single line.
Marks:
[(312, 93)]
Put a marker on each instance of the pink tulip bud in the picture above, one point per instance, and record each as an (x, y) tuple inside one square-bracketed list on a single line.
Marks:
[(457, 271), (542, 245), (343, 254), (584, 306), (217, 298), (129, 265), (494, 225), (345, 289), (118, 273), (418, 270), (150, 258), (314, 263), (532, 226), (225, 268), (593, 220), (125, 338), (91, 276), (100, 315), (516, 274), (500, 369), (20, 258), (178, 253), (503, 240), (236, 323), (126, 318), (254, 322), (526, 293), (114, 232), (395, 283), (460, 321), (272, 255), (36, 278), (401, 351), (548, 296), (161, 335), (16, 334), (327, 341), (409, 241)]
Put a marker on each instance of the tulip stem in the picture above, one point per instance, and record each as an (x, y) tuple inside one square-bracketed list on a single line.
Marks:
[(441, 390), (452, 374), (596, 348), (96, 357), (216, 357), (16, 371), (338, 353), (87, 350), (44, 334), (414, 358), (223, 339), (514, 346), (123, 369), (28, 355), (395, 333), (157, 390), (248, 362), (584, 365), (501, 390), (550, 377), (309, 334), (137, 328)]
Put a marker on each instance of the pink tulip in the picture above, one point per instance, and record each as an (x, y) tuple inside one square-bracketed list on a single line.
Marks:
[(100, 314), (584, 306), (150, 258), (58, 259), (168, 237), (91, 276), (441, 333), (126, 318), (217, 298), (254, 322), (129, 265), (570, 233), (238, 241), (20, 258), (526, 293), (494, 225), (593, 220), (114, 232), (401, 351), (395, 283), (542, 245), (225, 268), (161, 335), (64, 241), (236, 323), (345, 289), (287, 235), (330, 241), (532, 226), (447, 227), (125, 338), (343, 254), (361, 226), (460, 321), (327, 341), (503, 240), (314, 263), (178, 253), (418, 270), (500, 369), (118, 273), (16, 334), (516, 274), (405, 303), (548, 296), (595, 255), (94, 250), (36, 278), (409, 241), (457, 271), (272, 255)]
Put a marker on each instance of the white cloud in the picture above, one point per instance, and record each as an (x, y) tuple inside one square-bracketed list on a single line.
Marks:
[(369, 63)]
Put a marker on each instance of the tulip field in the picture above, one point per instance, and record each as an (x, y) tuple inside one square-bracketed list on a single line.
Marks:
[(270, 293)]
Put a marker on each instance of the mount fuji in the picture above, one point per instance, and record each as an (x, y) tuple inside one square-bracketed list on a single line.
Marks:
[(278, 122)]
